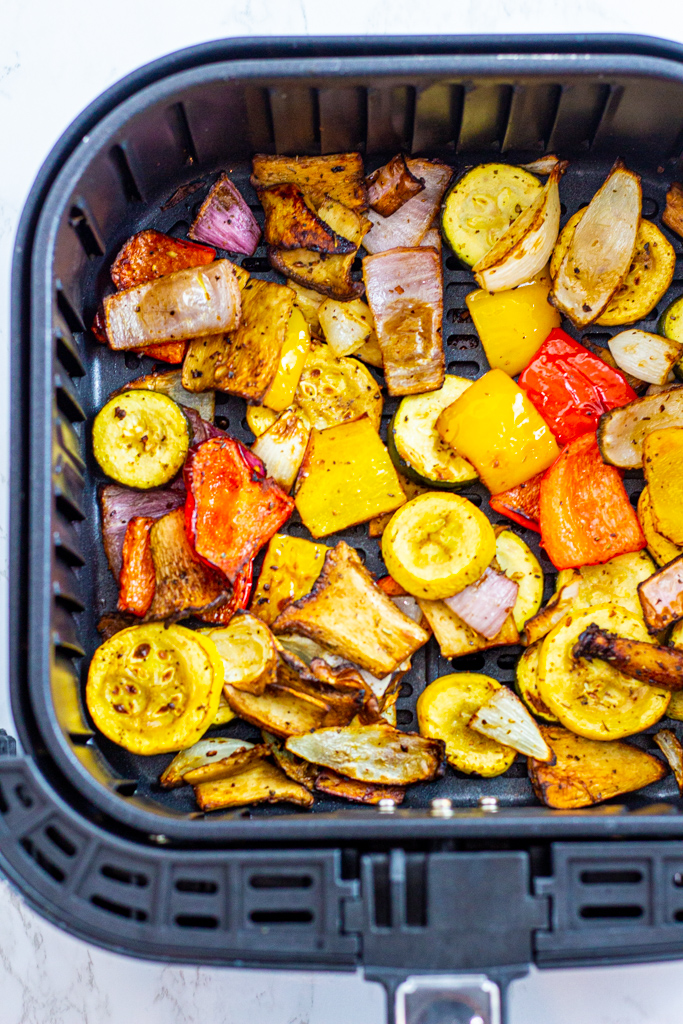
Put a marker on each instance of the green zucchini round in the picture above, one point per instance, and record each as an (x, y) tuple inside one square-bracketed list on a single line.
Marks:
[(671, 326), (415, 447), (481, 206), (141, 438)]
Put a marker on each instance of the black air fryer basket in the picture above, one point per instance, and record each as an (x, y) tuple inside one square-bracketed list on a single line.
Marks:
[(470, 876)]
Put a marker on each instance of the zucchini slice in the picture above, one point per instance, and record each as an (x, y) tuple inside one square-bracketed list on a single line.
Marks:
[(660, 547), (482, 205), (671, 326), (140, 438), (526, 684), (443, 710), (518, 562), (621, 432), (415, 447)]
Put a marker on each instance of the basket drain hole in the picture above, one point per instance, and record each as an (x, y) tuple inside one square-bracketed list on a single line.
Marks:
[(280, 881), (124, 877), (619, 910), (281, 916), (207, 921), (196, 885), (120, 909)]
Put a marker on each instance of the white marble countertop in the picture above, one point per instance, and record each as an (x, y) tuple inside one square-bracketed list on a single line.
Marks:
[(54, 59)]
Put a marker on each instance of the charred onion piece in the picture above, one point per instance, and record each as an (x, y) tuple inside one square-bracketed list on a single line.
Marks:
[(670, 746), (673, 214), (656, 666)]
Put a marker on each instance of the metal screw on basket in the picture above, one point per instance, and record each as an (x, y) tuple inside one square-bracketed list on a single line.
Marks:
[(488, 803), (442, 807), (386, 805), (160, 840)]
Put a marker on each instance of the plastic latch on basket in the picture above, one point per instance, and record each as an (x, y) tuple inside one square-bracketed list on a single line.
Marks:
[(448, 999), (8, 745)]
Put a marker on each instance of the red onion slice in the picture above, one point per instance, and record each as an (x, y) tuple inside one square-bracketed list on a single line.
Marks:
[(485, 605)]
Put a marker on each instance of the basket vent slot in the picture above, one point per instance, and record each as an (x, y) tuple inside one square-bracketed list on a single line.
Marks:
[(4, 806), (69, 357), (68, 311), (42, 860), (67, 506), (68, 404), (381, 884), (280, 881), (464, 367), (180, 127), (197, 886), (123, 876), (463, 342), (207, 921), (61, 841), (120, 909), (404, 716), (86, 233), (416, 891), (294, 916), (126, 177), (611, 877), (616, 911), (23, 796)]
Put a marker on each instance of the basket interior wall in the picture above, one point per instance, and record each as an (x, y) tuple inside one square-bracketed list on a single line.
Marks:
[(120, 181)]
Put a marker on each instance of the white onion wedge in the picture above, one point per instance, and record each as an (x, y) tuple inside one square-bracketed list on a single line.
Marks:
[(543, 165), (669, 744), (505, 719), (525, 248), (601, 250), (282, 447), (202, 753), (347, 326), (648, 357)]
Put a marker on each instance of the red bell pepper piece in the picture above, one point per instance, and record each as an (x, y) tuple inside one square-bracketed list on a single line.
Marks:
[(390, 587), (137, 580), (232, 508), (239, 598), (586, 516), (571, 387), (520, 503)]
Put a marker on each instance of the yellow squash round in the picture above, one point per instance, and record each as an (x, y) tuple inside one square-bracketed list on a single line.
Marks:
[(140, 438), (594, 699), (153, 689)]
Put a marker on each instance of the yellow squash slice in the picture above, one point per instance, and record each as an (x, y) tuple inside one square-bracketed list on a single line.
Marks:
[(290, 568), (154, 689), (443, 710), (594, 699), (332, 390), (518, 562), (140, 438), (663, 467), (526, 683), (660, 547), (248, 652)]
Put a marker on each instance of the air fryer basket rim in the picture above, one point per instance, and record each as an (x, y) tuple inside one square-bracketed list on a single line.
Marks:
[(518, 54)]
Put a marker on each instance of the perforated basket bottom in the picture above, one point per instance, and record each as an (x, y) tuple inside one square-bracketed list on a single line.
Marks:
[(465, 357)]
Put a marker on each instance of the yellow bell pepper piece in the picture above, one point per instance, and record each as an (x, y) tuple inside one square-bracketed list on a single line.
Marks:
[(290, 568), (280, 394), (495, 427), (514, 324)]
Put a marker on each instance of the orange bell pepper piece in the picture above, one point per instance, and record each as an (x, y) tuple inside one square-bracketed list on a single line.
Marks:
[(585, 513), (521, 503), (137, 581)]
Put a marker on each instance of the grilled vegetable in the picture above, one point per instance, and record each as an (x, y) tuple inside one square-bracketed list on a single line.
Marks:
[(259, 419), (555, 611), (621, 432), (485, 604), (308, 302), (261, 783), (444, 710), (504, 718), (663, 468), (415, 447), (151, 254), (371, 353), (404, 289), (482, 205), (596, 701), (295, 348), (438, 544), (675, 708), (281, 448), (338, 176), (205, 752), (648, 278), (659, 546), (348, 614), (571, 387), (522, 251), (455, 638), (119, 505), (137, 579), (284, 712), (154, 689), (409, 225), (656, 666), (140, 438), (232, 509), (586, 772), (513, 324), (543, 165), (224, 714), (291, 223), (227, 767), (372, 753), (347, 452), (328, 275), (332, 391), (601, 250), (222, 613), (520, 565), (661, 596), (586, 516), (495, 427), (646, 356), (378, 524), (246, 362), (290, 568), (526, 683), (673, 213), (183, 585), (186, 304), (670, 746), (392, 185), (333, 784), (346, 325), (225, 220), (170, 383), (248, 652), (614, 582), (521, 503), (294, 767)]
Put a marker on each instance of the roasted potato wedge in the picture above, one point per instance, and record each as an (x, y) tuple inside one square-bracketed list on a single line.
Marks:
[(587, 772), (203, 753), (184, 584), (372, 753), (338, 176), (291, 223), (262, 783), (333, 784), (348, 613), (329, 275)]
